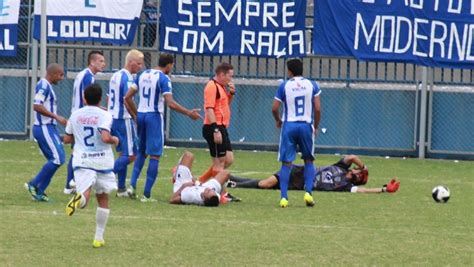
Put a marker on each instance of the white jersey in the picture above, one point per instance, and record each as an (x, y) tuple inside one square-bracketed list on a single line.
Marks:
[(90, 151), (192, 195), (45, 96), (119, 84), (297, 96), (152, 86), (82, 80)]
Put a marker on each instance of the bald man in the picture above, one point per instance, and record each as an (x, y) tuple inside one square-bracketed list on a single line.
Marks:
[(123, 125), (45, 132)]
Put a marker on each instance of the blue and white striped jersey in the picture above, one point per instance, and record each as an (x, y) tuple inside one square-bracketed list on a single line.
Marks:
[(119, 84), (82, 80), (44, 95), (297, 96), (152, 85)]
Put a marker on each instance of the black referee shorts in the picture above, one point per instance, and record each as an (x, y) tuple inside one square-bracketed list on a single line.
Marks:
[(216, 150)]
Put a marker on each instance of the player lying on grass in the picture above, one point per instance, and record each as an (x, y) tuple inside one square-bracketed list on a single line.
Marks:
[(186, 190), (333, 178), (93, 161)]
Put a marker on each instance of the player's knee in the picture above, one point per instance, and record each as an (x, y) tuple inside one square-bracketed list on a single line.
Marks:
[(264, 184), (229, 159), (188, 156)]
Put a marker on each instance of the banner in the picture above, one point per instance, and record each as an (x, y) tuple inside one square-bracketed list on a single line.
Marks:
[(9, 10), (425, 32), (106, 21), (267, 28)]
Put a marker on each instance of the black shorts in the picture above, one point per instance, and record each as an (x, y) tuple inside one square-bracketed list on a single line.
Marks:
[(216, 150)]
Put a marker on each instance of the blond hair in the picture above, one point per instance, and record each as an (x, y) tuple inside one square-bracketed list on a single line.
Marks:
[(133, 54)]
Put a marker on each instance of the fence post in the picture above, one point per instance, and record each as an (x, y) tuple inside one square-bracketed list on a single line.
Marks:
[(43, 39), (422, 137)]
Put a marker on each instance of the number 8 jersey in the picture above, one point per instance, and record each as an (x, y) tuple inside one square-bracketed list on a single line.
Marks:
[(297, 95), (90, 152)]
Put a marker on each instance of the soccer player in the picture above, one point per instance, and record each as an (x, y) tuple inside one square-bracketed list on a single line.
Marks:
[(45, 131), (217, 101), (301, 101), (154, 87), (89, 129), (123, 125), (338, 177), (186, 190), (96, 63)]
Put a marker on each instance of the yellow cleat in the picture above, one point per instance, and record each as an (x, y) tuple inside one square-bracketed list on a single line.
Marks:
[(98, 243), (308, 199), (283, 203), (73, 204)]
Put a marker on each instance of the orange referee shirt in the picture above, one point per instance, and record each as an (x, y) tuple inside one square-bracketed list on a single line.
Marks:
[(215, 97)]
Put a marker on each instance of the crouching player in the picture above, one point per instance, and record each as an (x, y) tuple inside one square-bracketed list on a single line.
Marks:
[(187, 191), (93, 158)]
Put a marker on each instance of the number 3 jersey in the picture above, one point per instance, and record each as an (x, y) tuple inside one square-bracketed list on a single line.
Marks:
[(297, 96), (90, 152)]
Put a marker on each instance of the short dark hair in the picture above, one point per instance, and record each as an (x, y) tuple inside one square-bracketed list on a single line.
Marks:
[(92, 54), (224, 67), (212, 201), (93, 94), (295, 66), (165, 59)]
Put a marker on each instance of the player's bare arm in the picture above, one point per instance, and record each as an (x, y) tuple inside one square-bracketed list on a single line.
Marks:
[(193, 113), (276, 113), (108, 138), (176, 197), (317, 112), (353, 159), (231, 87), (68, 139), (43, 111), (129, 103), (390, 187)]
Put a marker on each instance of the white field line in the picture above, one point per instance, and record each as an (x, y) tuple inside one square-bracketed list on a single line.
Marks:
[(462, 230)]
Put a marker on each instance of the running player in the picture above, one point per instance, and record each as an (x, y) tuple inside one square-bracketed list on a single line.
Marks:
[(154, 87), (45, 131), (95, 63), (123, 125), (300, 98), (89, 129)]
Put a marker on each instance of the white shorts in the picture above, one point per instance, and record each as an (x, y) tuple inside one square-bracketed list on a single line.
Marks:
[(101, 182), (214, 185), (183, 175)]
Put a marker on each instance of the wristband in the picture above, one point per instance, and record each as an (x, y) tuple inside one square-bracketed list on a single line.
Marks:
[(384, 188)]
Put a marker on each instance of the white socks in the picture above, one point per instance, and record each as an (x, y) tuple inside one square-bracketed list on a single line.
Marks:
[(101, 217), (83, 201)]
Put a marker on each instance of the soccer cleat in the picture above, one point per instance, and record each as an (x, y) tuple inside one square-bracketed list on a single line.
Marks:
[(308, 199), (43, 197), (231, 198), (283, 203), (131, 193), (31, 189), (231, 184), (69, 191), (122, 193), (98, 243), (73, 204), (147, 199)]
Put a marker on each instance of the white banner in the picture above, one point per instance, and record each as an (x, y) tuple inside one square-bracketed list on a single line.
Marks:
[(105, 21), (9, 10)]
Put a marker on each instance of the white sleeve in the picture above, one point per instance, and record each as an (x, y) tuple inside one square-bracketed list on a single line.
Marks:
[(106, 122), (354, 189), (68, 129)]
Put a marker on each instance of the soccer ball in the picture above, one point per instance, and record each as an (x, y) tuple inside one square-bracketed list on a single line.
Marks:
[(440, 194)]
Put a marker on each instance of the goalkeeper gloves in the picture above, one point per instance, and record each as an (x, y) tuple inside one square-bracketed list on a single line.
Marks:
[(391, 187)]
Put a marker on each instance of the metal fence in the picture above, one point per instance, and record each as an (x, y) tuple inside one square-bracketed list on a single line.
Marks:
[(366, 106)]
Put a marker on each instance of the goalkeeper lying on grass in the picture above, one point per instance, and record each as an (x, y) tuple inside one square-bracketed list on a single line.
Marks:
[(338, 177)]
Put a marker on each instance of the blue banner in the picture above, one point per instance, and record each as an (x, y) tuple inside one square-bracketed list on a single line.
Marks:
[(89, 20), (267, 28), (430, 33), (9, 10)]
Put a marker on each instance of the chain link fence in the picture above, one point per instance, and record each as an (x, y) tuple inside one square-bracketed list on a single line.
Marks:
[(371, 106)]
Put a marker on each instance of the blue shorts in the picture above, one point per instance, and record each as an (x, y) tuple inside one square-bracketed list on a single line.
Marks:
[(125, 131), (150, 133), (296, 134), (49, 142)]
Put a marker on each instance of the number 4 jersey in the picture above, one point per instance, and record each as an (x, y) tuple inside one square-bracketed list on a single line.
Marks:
[(90, 152)]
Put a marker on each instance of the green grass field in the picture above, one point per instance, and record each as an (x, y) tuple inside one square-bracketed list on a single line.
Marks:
[(406, 228)]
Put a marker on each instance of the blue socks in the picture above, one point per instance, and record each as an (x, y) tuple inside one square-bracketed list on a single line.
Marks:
[(120, 168), (284, 179), (308, 176), (43, 178), (137, 169), (70, 173), (151, 176)]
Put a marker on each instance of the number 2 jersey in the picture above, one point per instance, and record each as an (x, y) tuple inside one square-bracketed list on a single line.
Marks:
[(90, 152)]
